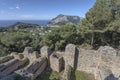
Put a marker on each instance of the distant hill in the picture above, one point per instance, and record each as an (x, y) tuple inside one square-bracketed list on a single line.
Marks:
[(64, 19), (21, 25)]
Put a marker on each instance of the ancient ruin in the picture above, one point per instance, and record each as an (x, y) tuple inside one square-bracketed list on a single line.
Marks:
[(103, 63)]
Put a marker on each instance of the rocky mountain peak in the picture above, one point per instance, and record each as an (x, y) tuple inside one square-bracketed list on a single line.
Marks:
[(64, 19)]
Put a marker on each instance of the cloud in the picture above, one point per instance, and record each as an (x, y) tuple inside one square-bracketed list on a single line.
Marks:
[(17, 7)]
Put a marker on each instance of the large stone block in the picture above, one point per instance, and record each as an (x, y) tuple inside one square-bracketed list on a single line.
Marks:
[(56, 62), (45, 51), (71, 55)]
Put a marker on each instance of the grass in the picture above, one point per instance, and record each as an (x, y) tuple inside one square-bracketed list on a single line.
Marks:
[(80, 75), (48, 74)]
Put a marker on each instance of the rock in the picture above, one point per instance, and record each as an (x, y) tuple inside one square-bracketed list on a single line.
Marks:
[(64, 19), (106, 50)]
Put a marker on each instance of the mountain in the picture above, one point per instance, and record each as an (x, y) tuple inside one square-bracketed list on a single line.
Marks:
[(64, 19)]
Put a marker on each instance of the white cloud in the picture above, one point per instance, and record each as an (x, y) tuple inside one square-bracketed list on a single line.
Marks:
[(17, 7)]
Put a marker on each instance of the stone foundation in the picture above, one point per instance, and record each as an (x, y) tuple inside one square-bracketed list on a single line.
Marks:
[(104, 63)]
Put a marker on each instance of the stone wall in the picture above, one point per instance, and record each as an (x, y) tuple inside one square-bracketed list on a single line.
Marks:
[(28, 50), (56, 62), (6, 58), (102, 62), (40, 69), (110, 59), (34, 69), (10, 67)]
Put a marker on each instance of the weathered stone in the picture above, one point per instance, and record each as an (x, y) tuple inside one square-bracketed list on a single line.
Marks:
[(71, 55), (67, 73), (106, 73), (87, 60), (45, 51), (40, 69), (33, 69), (5, 59), (10, 67), (18, 56), (32, 57), (56, 62), (106, 50), (14, 53), (28, 50)]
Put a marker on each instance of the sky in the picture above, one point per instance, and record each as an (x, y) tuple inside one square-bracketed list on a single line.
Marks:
[(42, 9)]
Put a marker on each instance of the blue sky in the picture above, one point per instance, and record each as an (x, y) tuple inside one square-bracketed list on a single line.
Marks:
[(42, 9)]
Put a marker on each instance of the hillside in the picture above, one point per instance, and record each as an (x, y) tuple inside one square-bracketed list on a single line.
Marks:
[(64, 19)]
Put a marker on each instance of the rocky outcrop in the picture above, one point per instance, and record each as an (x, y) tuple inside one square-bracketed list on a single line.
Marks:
[(64, 19)]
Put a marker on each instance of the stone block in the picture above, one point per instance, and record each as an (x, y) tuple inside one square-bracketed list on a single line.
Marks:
[(28, 50), (45, 51), (56, 62), (71, 55)]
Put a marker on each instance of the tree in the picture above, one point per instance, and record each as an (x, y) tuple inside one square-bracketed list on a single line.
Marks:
[(100, 15)]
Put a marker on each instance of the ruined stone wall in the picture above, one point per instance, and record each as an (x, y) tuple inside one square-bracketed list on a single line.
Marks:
[(96, 62), (70, 55), (10, 67), (40, 69), (56, 62), (6, 58), (87, 60), (110, 59)]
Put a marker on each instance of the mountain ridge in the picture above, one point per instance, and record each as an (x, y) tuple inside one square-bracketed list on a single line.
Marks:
[(64, 19)]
